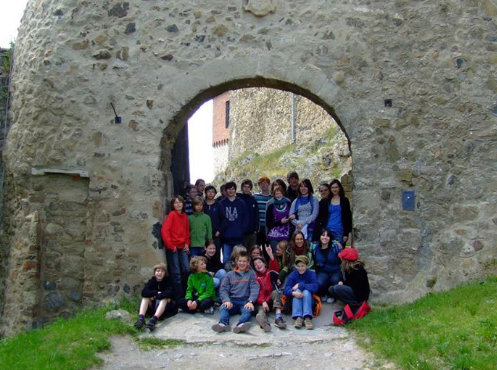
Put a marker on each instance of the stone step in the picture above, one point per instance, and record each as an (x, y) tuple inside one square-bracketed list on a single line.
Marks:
[(196, 329)]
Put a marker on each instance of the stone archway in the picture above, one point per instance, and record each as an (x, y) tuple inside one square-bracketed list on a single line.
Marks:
[(377, 72), (236, 82)]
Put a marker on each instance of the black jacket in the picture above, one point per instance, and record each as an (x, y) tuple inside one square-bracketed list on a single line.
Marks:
[(324, 214), (158, 289)]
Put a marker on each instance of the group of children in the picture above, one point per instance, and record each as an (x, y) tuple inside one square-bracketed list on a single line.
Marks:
[(289, 272)]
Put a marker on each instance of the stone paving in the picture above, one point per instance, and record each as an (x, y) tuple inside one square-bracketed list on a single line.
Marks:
[(326, 347)]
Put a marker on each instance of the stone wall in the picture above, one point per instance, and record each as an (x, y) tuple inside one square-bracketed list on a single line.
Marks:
[(262, 120), (412, 84)]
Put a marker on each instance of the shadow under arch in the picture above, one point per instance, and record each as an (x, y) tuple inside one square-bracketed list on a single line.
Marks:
[(208, 82)]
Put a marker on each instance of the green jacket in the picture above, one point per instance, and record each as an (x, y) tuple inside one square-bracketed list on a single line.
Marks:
[(200, 229), (200, 286)]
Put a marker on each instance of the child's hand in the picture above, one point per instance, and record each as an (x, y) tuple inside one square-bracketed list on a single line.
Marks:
[(291, 217), (228, 305), (249, 306), (340, 283), (278, 282), (295, 287), (269, 251), (265, 306), (297, 294)]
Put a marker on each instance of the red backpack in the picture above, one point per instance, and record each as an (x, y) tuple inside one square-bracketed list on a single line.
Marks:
[(344, 316)]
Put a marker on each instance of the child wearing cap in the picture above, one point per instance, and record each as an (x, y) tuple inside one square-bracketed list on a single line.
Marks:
[(156, 299), (353, 289), (301, 284)]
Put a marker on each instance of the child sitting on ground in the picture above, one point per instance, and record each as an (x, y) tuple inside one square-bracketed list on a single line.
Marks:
[(214, 265), (268, 297), (231, 263), (238, 292), (301, 284), (200, 294), (156, 300), (354, 288)]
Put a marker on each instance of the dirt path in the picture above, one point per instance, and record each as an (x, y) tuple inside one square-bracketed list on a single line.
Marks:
[(325, 347)]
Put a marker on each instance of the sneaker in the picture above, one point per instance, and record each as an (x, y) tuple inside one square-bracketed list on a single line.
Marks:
[(209, 311), (242, 328), (330, 300), (262, 320), (140, 323), (308, 323), (151, 325), (280, 323), (299, 321), (220, 328)]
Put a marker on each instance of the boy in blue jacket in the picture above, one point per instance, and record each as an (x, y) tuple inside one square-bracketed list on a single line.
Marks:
[(238, 292), (234, 220), (301, 284)]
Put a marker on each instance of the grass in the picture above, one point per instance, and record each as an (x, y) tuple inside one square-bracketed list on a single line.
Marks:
[(65, 344), (456, 329), (148, 343)]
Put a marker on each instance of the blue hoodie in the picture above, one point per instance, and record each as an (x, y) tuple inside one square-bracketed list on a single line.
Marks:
[(234, 220)]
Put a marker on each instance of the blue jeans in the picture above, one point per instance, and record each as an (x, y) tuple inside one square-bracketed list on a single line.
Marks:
[(227, 249), (302, 307), (196, 251), (178, 266), (327, 279), (274, 243), (218, 276), (224, 313), (346, 295)]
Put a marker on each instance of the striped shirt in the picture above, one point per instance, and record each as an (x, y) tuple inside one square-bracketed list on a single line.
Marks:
[(261, 205)]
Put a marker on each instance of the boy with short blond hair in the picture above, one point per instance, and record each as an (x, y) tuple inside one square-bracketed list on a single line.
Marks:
[(239, 290), (157, 299)]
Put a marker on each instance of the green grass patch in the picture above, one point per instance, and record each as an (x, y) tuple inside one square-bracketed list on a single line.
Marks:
[(456, 329), (147, 343), (65, 344)]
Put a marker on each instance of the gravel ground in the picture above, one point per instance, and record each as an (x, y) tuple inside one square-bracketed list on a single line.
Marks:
[(325, 347)]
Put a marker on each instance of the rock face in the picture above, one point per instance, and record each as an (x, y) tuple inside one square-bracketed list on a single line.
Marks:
[(411, 84)]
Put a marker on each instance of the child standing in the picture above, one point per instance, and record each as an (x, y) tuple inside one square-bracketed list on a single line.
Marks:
[(200, 294), (354, 288), (238, 292), (176, 237), (200, 228), (301, 285), (156, 299)]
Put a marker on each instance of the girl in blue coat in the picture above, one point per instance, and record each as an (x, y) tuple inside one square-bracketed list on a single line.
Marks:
[(301, 284), (326, 262)]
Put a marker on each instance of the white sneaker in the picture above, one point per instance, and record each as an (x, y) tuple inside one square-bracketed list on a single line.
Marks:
[(209, 311)]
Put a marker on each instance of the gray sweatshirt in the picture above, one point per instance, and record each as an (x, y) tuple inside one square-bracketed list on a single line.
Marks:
[(240, 286)]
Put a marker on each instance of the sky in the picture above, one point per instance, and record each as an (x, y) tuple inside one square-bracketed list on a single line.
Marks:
[(199, 125), (11, 12)]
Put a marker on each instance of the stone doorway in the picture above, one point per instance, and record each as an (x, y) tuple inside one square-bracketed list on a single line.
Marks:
[(244, 128)]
